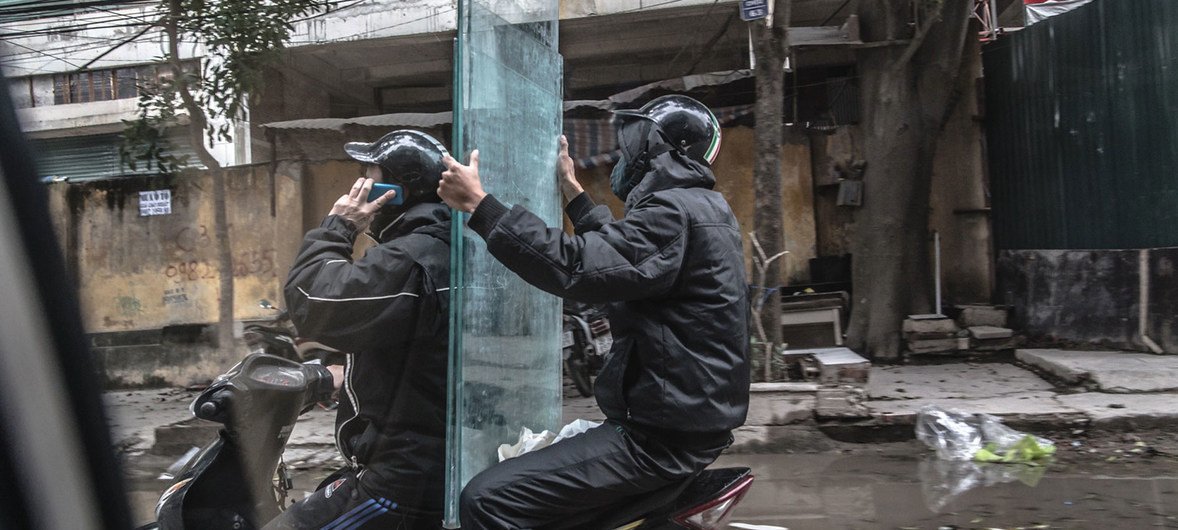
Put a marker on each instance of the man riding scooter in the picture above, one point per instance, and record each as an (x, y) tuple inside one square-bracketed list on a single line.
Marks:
[(677, 379), (389, 308)]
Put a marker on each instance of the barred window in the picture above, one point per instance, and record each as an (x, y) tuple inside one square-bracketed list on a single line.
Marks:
[(105, 85)]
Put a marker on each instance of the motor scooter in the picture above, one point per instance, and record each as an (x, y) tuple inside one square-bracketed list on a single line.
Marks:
[(278, 337), (585, 343), (239, 482), (230, 483)]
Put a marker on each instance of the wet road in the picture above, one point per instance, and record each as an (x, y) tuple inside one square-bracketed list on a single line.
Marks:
[(896, 491), (898, 486)]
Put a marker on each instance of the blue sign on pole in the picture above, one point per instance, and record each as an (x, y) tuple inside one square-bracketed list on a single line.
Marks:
[(753, 9)]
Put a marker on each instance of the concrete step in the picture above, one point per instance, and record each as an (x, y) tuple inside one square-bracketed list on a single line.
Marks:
[(1106, 371)]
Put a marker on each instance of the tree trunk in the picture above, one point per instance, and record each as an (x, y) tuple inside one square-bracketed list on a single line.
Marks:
[(908, 91), (770, 47), (197, 127)]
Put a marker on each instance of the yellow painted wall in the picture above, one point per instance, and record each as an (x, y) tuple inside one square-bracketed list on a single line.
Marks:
[(136, 272)]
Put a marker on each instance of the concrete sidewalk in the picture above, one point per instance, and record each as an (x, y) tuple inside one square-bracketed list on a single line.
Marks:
[(1096, 390)]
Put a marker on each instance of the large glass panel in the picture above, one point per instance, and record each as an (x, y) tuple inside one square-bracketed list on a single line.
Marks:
[(504, 345)]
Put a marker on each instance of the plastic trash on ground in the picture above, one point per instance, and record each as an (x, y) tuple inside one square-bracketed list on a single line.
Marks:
[(530, 441), (978, 437), (942, 481)]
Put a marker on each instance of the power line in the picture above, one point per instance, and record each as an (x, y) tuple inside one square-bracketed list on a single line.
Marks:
[(47, 54)]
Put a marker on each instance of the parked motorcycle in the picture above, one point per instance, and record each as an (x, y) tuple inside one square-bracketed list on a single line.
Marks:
[(585, 342), (230, 484), (278, 337), (239, 482)]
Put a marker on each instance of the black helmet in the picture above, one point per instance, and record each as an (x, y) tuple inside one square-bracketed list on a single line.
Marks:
[(408, 158), (686, 123), (669, 123)]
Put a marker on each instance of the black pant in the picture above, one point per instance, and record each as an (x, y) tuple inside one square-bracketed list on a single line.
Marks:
[(346, 504), (559, 486)]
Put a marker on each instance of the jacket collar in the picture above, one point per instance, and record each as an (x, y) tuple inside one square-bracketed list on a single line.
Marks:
[(671, 170), (418, 216)]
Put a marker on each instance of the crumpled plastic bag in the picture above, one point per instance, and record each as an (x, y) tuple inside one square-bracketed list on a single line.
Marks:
[(979, 437), (942, 481), (530, 441)]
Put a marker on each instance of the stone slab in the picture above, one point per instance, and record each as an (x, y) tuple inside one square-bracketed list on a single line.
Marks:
[(844, 401), (1107, 371), (1008, 343), (133, 415), (982, 315), (933, 345), (778, 439), (796, 387), (930, 336), (941, 324), (782, 408), (990, 332), (841, 366), (1037, 407), (1126, 411), (177, 438), (952, 381)]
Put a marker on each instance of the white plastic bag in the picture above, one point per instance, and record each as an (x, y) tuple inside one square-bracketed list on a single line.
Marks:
[(575, 428), (948, 432), (530, 441), (959, 436)]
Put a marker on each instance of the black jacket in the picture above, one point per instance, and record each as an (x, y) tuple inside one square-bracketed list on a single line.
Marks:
[(675, 268), (389, 309)]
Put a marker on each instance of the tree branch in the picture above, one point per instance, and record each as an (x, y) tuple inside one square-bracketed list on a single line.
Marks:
[(921, 34), (196, 116)]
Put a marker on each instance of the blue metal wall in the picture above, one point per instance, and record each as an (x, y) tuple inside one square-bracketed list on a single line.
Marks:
[(1081, 112)]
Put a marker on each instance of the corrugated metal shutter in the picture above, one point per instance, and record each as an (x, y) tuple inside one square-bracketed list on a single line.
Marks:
[(81, 158), (1082, 124)]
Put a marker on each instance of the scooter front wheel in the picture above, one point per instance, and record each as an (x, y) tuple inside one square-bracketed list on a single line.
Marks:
[(578, 371)]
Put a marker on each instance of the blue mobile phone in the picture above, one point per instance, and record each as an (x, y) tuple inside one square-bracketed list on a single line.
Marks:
[(381, 188)]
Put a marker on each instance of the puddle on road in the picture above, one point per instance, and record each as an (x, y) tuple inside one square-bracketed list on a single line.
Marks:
[(888, 491), (831, 491)]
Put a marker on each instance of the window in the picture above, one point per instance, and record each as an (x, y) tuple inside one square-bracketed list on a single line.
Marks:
[(105, 85)]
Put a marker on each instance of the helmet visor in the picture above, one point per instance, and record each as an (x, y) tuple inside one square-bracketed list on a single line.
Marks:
[(632, 130), (362, 151)]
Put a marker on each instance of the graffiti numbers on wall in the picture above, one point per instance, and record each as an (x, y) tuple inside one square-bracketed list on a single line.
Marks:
[(190, 238), (249, 263), (190, 271), (255, 262)]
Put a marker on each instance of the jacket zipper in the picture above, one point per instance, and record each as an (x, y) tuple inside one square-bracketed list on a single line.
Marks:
[(339, 445)]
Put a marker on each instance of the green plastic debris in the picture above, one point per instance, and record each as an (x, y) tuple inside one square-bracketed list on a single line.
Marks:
[(1027, 450)]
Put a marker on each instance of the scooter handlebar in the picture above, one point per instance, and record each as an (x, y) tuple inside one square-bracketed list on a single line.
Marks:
[(320, 383)]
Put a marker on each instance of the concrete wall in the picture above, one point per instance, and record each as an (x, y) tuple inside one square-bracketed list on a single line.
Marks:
[(734, 179), (1093, 297), (149, 286), (139, 273)]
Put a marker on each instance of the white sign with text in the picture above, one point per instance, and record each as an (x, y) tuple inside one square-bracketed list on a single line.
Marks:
[(155, 202)]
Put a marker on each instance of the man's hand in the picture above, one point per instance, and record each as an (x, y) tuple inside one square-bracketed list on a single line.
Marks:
[(337, 375), (566, 173), (354, 206), (460, 187)]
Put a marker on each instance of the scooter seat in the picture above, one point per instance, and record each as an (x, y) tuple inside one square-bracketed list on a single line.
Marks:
[(631, 510)]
